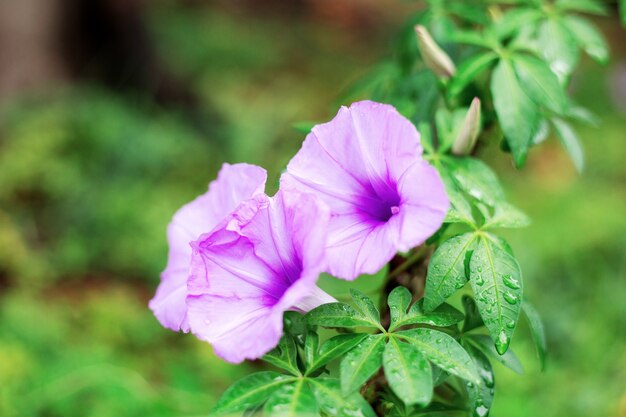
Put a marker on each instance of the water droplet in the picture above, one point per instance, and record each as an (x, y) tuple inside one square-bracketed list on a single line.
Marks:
[(480, 280), (502, 343), (510, 282), (510, 298), (481, 411), (510, 324)]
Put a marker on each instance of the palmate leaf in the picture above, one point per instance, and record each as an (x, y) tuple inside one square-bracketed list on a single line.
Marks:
[(442, 350), (366, 305), (292, 400), (362, 362), (333, 403), (334, 348), (537, 331), (249, 392), (540, 83), (443, 316), (408, 372), (508, 359), (285, 355), (399, 300), (481, 394), (446, 270), (496, 279), (518, 115)]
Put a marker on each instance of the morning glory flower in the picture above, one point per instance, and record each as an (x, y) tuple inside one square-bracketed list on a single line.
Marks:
[(234, 184), (367, 165), (262, 260)]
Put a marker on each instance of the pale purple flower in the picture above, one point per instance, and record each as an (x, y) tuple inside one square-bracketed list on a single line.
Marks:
[(265, 258), (367, 165), (234, 184)]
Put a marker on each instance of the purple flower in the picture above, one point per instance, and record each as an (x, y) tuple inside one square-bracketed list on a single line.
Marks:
[(234, 184), (263, 259), (366, 165)]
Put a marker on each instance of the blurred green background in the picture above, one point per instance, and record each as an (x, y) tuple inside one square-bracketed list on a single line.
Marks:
[(113, 114)]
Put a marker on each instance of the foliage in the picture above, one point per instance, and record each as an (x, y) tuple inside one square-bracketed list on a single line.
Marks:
[(515, 60)]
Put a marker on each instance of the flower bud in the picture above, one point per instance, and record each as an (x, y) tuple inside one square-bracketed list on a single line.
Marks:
[(434, 57), (466, 139)]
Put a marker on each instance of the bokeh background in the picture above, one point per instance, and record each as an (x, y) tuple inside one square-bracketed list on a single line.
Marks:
[(113, 113)]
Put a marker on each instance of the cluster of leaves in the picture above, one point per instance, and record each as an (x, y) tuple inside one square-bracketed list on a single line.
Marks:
[(517, 56), (513, 59), (430, 362)]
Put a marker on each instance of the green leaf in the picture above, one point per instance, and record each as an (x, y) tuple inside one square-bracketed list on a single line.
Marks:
[(292, 400), (481, 394), (426, 138), (361, 363), (284, 355), (366, 305), (446, 270), (472, 315), (588, 37), (443, 316), (537, 331), (622, 11), (311, 346), (570, 142), (476, 179), (338, 315), (585, 6), (460, 210), (470, 38), (249, 392), (558, 47), (295, 324), (540, 83), (442, 350), (333, 348), (398, 301), (507, 215), (496, 279), (517, 113), (408, 372), (509, 359), (543, 131), (469, 70), (335, 404), (514, 20)]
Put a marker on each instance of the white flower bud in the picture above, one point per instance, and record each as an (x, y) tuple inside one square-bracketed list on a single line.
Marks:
[(466, 138), (434, 57)]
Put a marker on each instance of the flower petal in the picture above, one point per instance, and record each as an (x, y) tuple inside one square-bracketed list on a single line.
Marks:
[(355, 164), (264, 259), (234, 184)]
